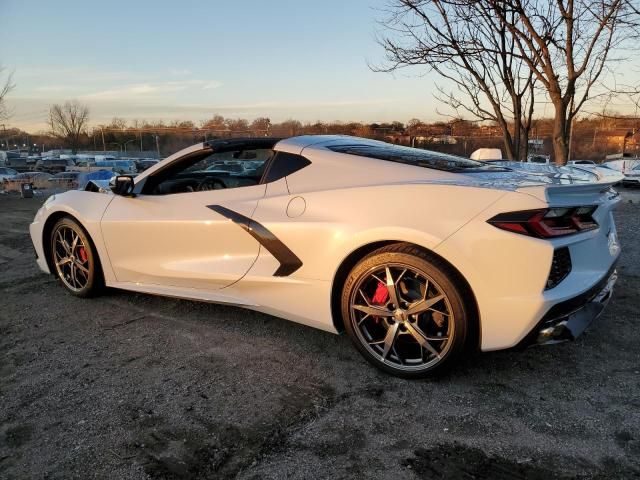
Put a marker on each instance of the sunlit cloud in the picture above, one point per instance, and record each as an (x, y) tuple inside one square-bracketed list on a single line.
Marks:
[(76, 74), (211, 85), (178, 72), (150, 89), (53, 88)]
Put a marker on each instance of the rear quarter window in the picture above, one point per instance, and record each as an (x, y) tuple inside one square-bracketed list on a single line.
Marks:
[(412, 156)]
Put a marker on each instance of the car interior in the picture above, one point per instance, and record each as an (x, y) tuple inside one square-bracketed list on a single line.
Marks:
[(211, 171)]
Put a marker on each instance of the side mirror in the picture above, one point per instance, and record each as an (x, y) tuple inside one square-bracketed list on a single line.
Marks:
[(122, 185)]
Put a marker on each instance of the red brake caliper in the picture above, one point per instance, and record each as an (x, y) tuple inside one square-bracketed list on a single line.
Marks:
[(82, 253), (380, 296)]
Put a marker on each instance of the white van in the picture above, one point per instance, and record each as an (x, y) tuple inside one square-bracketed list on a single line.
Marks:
[(487, 154)]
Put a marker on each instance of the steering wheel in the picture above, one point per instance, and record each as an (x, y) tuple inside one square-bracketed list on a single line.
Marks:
[(210, 184)]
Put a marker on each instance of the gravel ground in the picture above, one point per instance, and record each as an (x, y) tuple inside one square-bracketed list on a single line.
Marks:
[(134, 386)]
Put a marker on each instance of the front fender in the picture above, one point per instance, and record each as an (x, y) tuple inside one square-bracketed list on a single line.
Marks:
[(87, 208)]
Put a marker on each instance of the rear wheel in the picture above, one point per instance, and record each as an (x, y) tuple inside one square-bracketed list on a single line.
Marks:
[(405, 311), (75, 259)]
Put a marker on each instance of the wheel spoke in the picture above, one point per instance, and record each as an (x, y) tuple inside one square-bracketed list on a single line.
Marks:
[(400, 276), (63, 242), (375, 311), (74, 243), (72, 275), (421, 338), (82, 268), (391, 287), (63, 261), (426, 289), (390, 339), (436, 339), (364, 297), (393, 349), (423, 305)]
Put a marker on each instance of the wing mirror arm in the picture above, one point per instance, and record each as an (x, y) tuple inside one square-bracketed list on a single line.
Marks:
[(122, 185)]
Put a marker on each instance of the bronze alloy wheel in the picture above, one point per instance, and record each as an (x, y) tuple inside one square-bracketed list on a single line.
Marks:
[(74, 258), (402, 316), (404, 311)]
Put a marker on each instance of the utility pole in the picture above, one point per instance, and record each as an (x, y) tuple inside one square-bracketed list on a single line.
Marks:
[(104, 146), (125, 144), (158, 145)]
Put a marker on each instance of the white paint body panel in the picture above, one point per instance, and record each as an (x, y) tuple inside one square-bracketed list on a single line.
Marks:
[(174, 245), (166, 240)]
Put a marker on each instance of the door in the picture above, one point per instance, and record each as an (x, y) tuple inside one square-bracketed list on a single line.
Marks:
[(184, 227)]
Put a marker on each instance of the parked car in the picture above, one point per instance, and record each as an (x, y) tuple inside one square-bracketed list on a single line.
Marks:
[(39, 180), (6, 172), (53, 165), (67, 180), (86, 166), (623, 165), (582, 162), (545, 159), (487, 154), (419, 256), (226, 168), (123, 167), (20, 164), (145, 163), (632, 177)]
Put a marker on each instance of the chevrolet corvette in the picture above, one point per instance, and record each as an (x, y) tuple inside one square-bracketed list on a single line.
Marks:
[(420, 257)]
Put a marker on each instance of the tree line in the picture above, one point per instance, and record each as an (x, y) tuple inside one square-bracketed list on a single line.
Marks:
[(593, 137)]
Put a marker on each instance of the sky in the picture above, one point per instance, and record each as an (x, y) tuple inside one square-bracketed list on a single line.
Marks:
[(190, 59)]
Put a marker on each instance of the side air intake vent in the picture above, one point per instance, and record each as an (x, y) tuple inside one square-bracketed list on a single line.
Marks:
[(560, 267)]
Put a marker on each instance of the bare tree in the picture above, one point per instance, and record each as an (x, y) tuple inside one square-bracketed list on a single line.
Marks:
[(260, 126), (498, 52), (5, 89), (568, 45), (69, 121), (466, 44)]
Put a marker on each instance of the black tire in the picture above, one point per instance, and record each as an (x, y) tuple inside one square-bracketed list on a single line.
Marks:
[(81, 284), (452, 314)]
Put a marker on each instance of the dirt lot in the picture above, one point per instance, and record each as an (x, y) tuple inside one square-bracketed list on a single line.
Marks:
[(135, 386)]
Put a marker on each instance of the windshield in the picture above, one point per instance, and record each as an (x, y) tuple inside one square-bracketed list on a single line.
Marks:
[(233, 168), (412, 156)]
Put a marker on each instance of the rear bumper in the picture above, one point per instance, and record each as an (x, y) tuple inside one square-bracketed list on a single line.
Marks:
[(567, 320)]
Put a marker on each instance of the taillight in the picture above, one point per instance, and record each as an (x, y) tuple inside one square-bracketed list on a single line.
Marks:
[(547, 222)]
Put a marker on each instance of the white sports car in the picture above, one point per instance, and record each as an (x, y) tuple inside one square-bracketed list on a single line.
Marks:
[(419, 256)]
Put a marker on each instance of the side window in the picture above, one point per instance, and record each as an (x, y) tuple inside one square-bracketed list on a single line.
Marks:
[(214, 171), (284, 164)]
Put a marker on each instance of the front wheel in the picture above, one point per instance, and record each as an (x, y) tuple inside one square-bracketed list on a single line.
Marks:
[(405, 311), (75, 259)]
